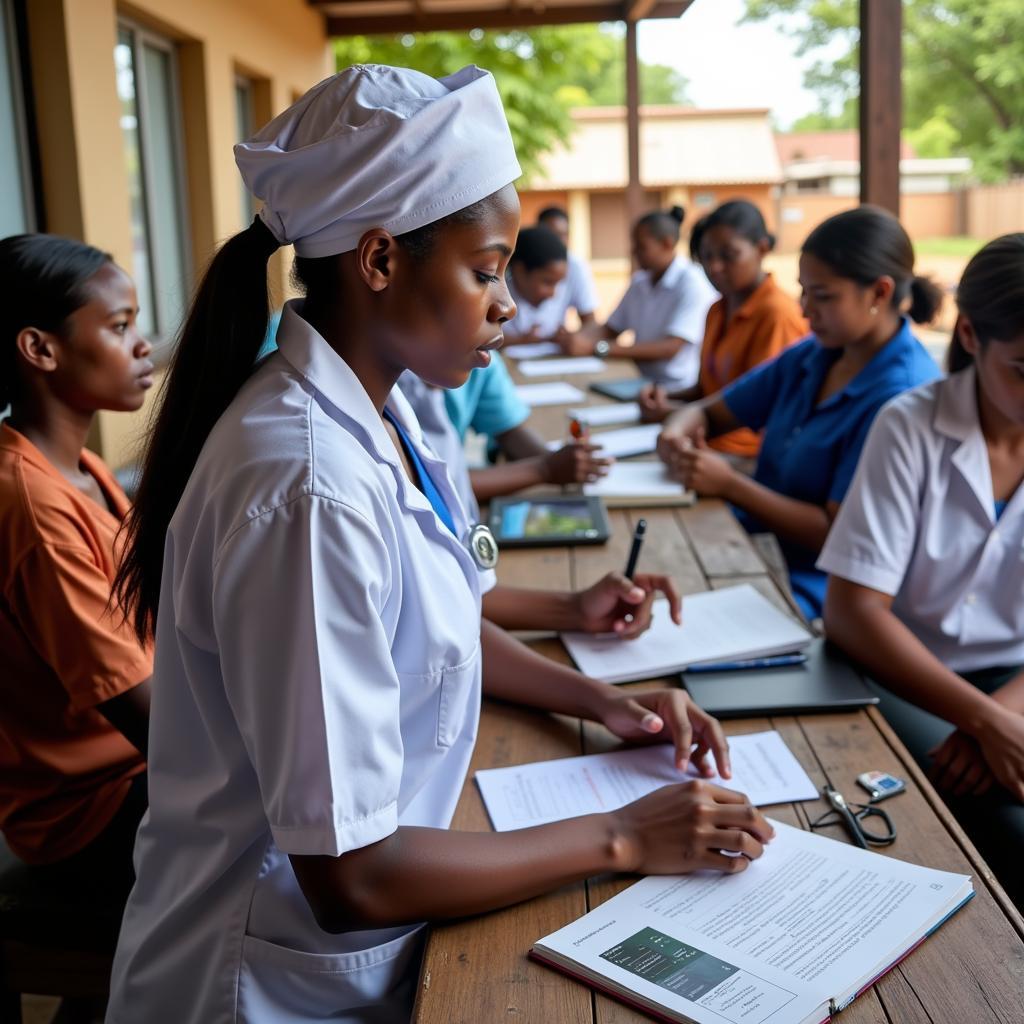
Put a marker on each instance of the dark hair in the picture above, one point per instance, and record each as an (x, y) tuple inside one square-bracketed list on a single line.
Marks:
[(538, 247), (696, 234), (867, 243), (991, 294), (663, 224), (552, 213), (744, 218), (215, 352), (45, 280)]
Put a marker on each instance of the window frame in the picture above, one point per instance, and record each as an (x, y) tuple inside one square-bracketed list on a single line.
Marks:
[(164, 333), (249, 205), (12, 16)]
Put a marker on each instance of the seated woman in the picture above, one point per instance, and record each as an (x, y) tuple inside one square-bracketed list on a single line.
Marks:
[(925, 564), (665, 307), (752, 322), (74, 691), (815, 402), (488, 403), (538, 278)]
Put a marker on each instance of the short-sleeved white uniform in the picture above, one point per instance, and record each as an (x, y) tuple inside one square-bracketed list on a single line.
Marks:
[(919, 523), (574, 291), (317, 684), (676, 307)]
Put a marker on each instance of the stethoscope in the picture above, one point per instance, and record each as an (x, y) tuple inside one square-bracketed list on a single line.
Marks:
[(482, 546)]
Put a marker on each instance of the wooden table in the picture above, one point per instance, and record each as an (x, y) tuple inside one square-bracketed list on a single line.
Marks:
[(477, 972)]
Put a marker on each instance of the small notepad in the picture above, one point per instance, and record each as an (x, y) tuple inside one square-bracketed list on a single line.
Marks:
[(553, 393), (532, 350), (560, 367), (636, 484), (606, 415)]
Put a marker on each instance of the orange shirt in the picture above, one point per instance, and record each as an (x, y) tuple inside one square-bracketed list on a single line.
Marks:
[(768, 322), (64, 769)]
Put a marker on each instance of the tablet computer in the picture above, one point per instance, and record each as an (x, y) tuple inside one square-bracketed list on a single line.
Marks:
[(548, 522), (627, 390)]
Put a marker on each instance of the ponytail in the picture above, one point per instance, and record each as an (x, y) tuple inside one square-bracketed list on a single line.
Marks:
[(215, 353), (925, 300), (663, 224)]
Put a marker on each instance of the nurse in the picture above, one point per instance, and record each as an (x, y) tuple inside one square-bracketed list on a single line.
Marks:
[(303, 559), (926, 560), (665, 307), (816, 401)]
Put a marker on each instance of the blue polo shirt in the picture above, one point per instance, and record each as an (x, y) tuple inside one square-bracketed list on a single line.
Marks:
[(487, 402), (810, 451)]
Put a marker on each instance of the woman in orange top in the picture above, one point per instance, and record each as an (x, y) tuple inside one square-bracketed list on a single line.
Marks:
[(74, 689), (752, 322)]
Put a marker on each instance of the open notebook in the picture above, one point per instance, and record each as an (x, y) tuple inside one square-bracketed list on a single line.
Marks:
[(719, 625), (795, 938), (639, 484)]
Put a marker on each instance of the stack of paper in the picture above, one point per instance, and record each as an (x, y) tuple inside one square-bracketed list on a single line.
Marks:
[(720, 625), (794, 938), (553, 393), (637, 484), (560, 367), (532, 350), (606, 415), (521, 796), (620, 444)]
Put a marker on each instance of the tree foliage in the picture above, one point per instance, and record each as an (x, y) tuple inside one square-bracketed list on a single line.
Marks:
[(541, 73), (963, 77)]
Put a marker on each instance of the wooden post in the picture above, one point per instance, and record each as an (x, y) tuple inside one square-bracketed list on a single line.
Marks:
[(634, 193), (881, 102)]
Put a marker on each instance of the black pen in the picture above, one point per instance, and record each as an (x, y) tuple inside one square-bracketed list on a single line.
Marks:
[(634, 551)]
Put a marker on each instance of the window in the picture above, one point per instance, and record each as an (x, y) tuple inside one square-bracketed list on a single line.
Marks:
[(147, 85), (245, 121), (16, 199)]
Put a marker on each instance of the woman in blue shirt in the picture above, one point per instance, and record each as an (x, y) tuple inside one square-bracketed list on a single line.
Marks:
[(816, 401)]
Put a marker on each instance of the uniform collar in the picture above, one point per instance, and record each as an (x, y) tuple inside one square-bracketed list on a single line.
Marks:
[(673, 272), (891, 354), (755, 298)]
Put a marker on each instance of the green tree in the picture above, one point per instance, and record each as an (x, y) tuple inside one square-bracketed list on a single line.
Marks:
[(541, 73), (963, 78)]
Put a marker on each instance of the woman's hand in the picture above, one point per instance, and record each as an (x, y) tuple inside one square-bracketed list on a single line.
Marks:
[(654, 404), (574, 343), (700, 469), (574, 463), (668, 716), (1001, 739), (615, 604), (682, 828), (959, 766)]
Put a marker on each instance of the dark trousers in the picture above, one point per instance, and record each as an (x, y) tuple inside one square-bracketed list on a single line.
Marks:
[(995, 821)]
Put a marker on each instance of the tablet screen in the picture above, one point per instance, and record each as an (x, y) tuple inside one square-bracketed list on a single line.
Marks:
[(522, 520)]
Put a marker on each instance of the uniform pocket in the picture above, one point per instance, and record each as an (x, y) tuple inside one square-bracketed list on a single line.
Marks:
[(456, 694), (289, 986)]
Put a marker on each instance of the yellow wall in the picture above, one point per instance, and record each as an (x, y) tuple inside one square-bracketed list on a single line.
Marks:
[(280, 43)]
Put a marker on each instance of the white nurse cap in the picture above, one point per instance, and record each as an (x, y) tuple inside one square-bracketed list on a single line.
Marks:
[(376, 146)]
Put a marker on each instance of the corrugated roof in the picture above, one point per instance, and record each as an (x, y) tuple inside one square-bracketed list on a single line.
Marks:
[(678, 146)]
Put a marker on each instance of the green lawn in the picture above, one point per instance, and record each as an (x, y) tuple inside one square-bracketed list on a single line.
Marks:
[(959, 245)]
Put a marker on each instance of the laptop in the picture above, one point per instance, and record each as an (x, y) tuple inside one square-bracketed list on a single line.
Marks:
[(825, 682)]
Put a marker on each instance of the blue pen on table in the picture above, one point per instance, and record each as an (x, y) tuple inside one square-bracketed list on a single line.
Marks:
[(634, 551), (752, 663)]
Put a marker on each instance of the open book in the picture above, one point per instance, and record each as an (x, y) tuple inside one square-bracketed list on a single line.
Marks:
[(719, 625), (639, 484), (796, 937)]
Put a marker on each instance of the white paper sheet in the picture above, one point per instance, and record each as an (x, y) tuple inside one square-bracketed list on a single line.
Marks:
[(554, 393), (620, 444), (560, 367), (532, 350), (719, 625), (533, 794), (636, 480), (811, 920), (606, 415)]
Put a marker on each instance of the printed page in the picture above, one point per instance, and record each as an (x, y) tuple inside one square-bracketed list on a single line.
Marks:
[(811, 920), (532, 350), (560, 367), (534, 794), (636, 480), (629, 441), (719, 625), (606, 415), (553, 393)]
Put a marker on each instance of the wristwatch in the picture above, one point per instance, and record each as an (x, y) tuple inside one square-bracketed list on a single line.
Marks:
[(602, 348)]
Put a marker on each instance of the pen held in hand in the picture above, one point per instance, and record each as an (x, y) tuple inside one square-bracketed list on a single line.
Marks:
[(634, 551)]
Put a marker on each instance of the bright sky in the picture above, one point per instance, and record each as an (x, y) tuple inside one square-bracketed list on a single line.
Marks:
[(728, 64)]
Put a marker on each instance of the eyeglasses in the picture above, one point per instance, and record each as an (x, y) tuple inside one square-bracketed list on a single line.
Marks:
[(853, 817)]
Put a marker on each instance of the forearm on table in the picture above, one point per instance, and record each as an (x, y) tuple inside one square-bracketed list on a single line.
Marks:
[(525, 608), (799, 521), (506, 478), (521, 443), (1011, 694), (642, 352), (514, 672), (423, 874), (860, 622)]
